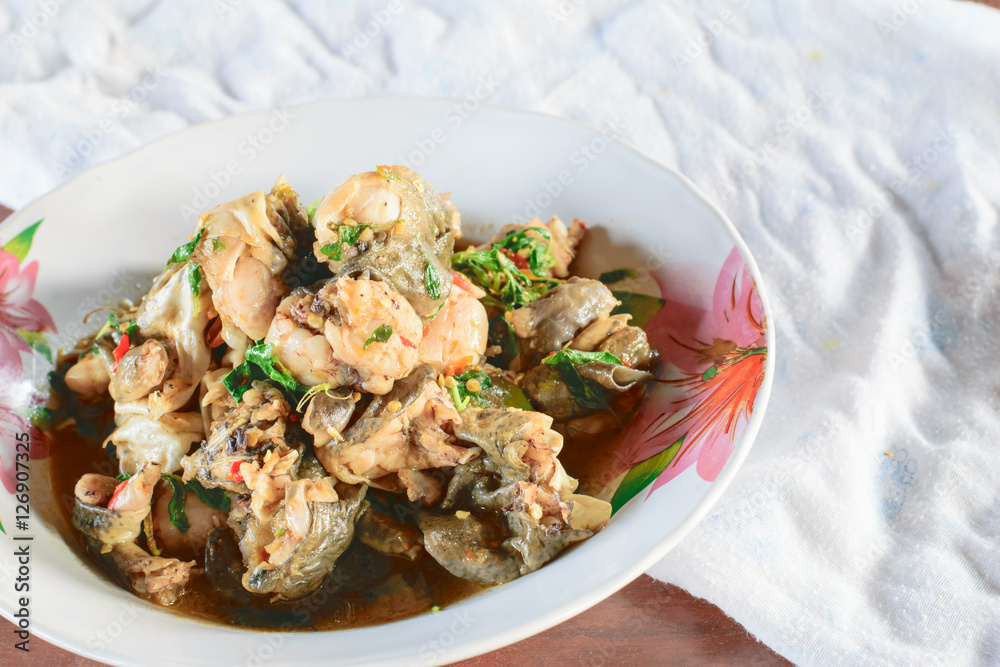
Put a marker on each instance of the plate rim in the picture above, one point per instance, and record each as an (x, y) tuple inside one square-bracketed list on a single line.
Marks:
[(585, 599)]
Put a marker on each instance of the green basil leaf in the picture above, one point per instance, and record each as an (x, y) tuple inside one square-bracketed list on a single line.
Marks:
[(539, 258), (464, 394), (183, 252), (380, 335), (579, 357), (588, 394), (432, 282), (499, 276), (585, 392), (111, 324), (350, 234), (218, 245), (642, 475), (195, 276), (311, 209), (215, 498), (262, 355), (175, 507), (501, 332), (132, 332), (333, 250), (238, 381), (504, 394)]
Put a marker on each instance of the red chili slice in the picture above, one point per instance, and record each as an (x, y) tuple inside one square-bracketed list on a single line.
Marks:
[(114, 496), (213, 337), (407, 342), (120, 351), (462, 282), (234, 472), (519, 262)]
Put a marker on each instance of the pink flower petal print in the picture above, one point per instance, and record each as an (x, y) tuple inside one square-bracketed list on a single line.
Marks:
[(16, 394), (711, 339), (18, 308)]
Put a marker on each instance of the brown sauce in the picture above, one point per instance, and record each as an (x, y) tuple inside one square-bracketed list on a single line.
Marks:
[(365, 588)]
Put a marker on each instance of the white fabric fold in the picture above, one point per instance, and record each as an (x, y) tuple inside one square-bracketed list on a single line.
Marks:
[(856, 145)]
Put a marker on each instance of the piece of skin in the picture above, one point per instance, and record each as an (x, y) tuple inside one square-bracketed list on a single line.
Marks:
[(171, 312), (244, 250), (404, 429), (549, 323), (381, 532)]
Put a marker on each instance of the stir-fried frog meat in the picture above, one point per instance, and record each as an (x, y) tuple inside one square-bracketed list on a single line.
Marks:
[(269, 432)]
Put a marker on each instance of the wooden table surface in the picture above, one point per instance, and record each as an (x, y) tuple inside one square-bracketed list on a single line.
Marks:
[(647, 622)]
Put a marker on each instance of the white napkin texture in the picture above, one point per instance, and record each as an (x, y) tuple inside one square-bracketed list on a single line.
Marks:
[(856, 146)]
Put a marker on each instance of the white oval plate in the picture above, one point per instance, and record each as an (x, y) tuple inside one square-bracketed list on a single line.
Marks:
[(109, 230)]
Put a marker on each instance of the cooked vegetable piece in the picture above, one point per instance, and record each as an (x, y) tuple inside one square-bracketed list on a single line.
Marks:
[(498, 269), (503, 394)]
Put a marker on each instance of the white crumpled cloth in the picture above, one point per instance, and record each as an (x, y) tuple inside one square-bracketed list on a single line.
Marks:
[(855, 144)]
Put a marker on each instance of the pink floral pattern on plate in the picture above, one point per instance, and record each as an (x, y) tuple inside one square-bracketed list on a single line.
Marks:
[(711, 338), (23, 323)]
